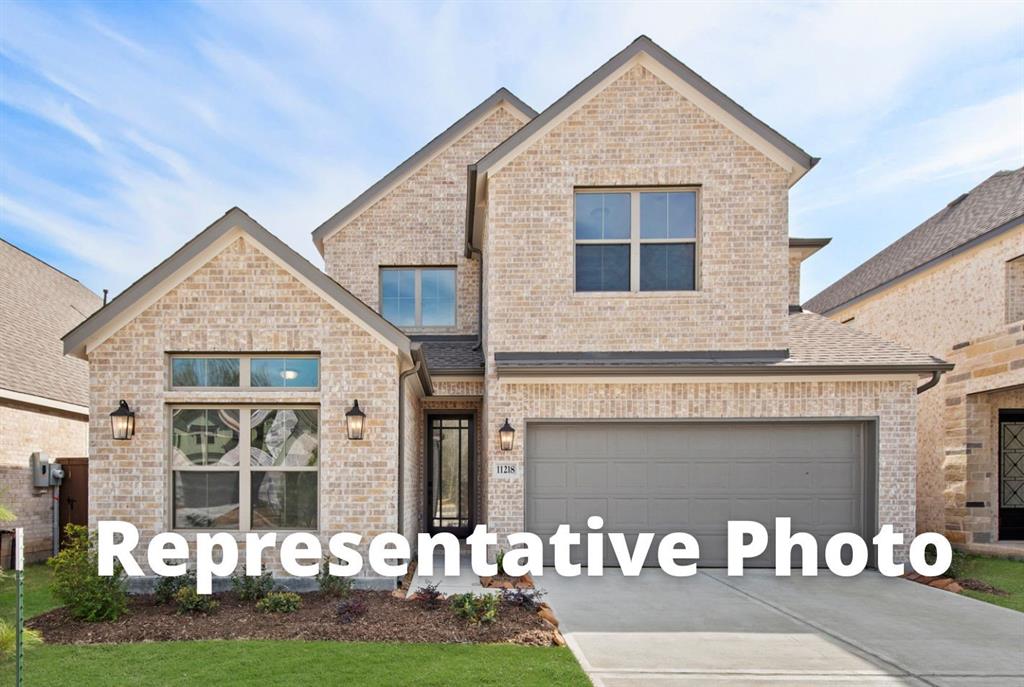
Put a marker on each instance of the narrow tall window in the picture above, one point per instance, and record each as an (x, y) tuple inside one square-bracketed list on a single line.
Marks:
[(418, 297)]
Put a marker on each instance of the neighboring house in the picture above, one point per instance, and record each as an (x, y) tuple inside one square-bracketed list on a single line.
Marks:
[(954, 286), (44, 395), (613, 278)]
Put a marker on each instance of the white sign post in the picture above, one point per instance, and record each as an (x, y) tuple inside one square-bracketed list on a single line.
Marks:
[(19, 581)]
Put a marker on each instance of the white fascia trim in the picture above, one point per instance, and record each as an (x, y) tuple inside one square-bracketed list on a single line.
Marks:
[(44, 402)]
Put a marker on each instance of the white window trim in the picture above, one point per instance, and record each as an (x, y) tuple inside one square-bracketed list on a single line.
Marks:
[(244, 469), (418, 296), (634, 241), (244, 371)]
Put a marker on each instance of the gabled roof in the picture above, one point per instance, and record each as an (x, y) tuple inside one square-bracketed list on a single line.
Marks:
[(452, 355), (699, 91), (38, 303), (994, 206), (371, 195), (199, 251)]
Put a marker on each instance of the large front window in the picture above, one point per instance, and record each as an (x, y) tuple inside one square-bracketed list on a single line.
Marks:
[(249, 371), (418, 297), (636, 240), (245, 467)]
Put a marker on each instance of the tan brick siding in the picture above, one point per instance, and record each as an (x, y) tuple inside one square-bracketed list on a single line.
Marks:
[(892, 402), (420, 222), (1015, 289), (638, 131), (959, 300), (242, 301), (23, 430)]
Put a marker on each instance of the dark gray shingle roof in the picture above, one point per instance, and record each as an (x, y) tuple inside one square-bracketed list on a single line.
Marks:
[(993, 204), (451, 354)]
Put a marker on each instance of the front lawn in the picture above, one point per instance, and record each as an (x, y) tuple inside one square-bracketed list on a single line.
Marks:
[(298, 663), (1001, 573), (38, 598)]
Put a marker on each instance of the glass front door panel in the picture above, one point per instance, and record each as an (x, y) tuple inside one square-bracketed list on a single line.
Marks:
[(1011, 475), (450, 486)]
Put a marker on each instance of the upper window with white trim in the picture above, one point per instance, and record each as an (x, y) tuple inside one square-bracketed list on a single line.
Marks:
[(418, 297), (245, 371), (636, 239)]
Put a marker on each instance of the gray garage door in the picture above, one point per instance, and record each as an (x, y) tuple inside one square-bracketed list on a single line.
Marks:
[(695, 477)]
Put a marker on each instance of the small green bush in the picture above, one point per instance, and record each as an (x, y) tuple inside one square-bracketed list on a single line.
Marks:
[(279, 602), (8, 639), (500, 562), (252, 588), (332, 585), (191, 601), (167, 587), (476, 608), (77, 582)]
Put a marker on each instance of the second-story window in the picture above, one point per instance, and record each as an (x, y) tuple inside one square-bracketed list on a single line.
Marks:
[(418, 297), (636, 240)]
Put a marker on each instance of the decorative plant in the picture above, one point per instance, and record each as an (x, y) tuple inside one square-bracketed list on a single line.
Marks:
[(7, 639), (476, 608), (332, 585), (351, 609), (167, 587), (500, 560), (191, 601), (252, 588), (530, 599), (279, 602), (428, 596), (78, 584)]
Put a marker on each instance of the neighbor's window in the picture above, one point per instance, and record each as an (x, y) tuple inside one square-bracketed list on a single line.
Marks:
[(276, 488), (245, 371), (636, 240), (419, 297)]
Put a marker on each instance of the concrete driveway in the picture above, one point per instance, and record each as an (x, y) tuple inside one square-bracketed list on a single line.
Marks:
[(760, 629)]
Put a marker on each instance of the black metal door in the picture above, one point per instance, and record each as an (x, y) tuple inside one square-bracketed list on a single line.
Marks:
[(450, 474), (1011, 474)]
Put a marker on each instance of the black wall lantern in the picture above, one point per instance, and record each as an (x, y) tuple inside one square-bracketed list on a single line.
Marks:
[(356, 420), (122, 422), (507, 436)]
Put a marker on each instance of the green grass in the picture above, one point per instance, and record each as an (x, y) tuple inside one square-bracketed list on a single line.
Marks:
[(38, 598), (297, 663), (1000, 573)]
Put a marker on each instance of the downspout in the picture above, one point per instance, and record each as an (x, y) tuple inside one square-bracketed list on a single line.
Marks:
[(401, 442), (479, 301), (936, 376)]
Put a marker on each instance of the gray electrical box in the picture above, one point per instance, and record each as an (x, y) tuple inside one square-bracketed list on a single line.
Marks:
[(45, 473)]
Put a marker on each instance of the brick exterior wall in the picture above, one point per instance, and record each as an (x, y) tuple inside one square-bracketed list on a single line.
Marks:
[(242, 301), (420, 222), (638, 131), (959, 300), (25, 429), (892, 402), (1015, 289)]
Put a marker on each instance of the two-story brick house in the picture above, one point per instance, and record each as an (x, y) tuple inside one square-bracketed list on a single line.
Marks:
[(610, 279), (954, 286)]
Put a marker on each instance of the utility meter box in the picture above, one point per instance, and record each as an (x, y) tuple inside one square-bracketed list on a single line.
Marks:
[(45, 473)]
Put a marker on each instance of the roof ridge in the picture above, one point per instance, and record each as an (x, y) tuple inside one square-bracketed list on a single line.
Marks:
[(46, 264)]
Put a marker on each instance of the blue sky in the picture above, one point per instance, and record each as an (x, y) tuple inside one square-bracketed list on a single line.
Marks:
[(125, 128)]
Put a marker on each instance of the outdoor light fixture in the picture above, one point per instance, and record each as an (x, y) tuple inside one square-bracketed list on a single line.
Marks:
[(356, 420), (507, 435), (122, 422)]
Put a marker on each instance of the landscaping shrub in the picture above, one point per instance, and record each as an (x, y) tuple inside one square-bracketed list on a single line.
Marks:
[(8, 639), (526, 598), (77, 582), (350, 609), (279, 602), (428, 596), (957, 566), (333, 585), (476, 608), (500, 562), (252, 588), (191, 601), (167, 587)]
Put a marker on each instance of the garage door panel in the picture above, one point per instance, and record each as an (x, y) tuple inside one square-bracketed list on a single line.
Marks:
[(695, 477)]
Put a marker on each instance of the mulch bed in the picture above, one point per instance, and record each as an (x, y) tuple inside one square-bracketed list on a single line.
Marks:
[(387, 619), (979, 586), (506, 582)]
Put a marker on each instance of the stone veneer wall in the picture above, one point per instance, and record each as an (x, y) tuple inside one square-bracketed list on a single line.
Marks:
[(892, 402), (242, 301), (638, 131), (420, 222), (959, 300), (25, 429)]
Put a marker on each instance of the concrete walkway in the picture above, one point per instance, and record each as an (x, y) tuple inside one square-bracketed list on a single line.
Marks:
[(761, 629)]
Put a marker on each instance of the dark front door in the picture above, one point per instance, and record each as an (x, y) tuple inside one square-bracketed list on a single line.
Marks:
[(450, 474), (1011, 474), (74, 493)]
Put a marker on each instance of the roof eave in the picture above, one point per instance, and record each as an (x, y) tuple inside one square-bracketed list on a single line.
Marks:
[(714, 370)]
